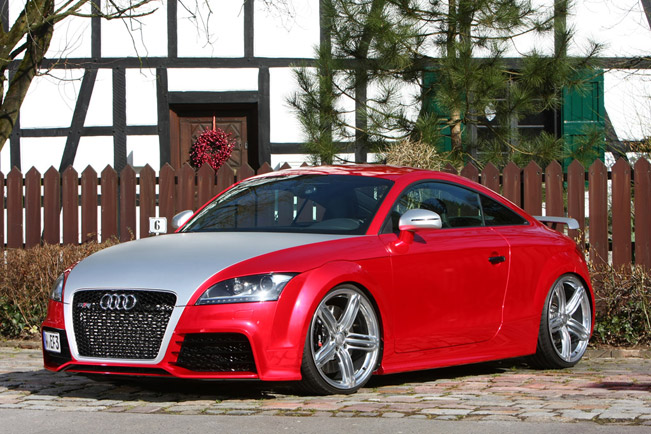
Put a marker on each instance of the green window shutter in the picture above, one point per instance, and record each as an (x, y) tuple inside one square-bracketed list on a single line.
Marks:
[(430, 81), (583, 120)]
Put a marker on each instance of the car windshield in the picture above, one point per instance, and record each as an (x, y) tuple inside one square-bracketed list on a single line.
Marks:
[(329, 204)]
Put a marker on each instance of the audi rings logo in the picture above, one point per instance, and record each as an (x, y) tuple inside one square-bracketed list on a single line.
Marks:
[(118, 301)]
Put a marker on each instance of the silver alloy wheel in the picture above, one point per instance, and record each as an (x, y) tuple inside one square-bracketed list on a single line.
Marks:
[(569, 318), (345, 338)]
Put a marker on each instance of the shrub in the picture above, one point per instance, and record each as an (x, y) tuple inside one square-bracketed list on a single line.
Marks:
[(26, 278), (623, 299)]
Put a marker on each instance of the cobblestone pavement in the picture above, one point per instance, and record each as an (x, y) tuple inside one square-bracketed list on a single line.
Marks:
[(600, 389)]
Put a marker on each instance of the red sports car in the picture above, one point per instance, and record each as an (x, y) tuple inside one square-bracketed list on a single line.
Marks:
[(326, 275)]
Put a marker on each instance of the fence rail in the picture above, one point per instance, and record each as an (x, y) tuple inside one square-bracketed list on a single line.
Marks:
[(72, 208)]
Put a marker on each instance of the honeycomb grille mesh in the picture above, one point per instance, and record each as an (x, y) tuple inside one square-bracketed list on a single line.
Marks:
[(216, 352), (121, 334)]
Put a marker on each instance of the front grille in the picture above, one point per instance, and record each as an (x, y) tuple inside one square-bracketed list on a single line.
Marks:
[(216, 352), (118, 333)]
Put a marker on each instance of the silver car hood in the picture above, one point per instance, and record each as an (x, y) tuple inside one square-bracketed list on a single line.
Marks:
[(179, 262)]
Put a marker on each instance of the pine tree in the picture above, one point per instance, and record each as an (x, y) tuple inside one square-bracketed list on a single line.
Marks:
[(454, 51)]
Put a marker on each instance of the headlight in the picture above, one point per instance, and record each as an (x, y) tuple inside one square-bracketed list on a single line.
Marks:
[(247, 289), (57, 289)]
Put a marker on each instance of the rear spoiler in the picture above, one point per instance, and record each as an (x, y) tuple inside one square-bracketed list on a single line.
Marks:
[(570, 222)]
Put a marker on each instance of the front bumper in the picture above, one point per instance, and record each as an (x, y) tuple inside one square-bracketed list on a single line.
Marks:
[(236, 341)]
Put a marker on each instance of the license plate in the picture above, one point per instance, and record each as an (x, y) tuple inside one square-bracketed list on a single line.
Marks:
[(51, 341)]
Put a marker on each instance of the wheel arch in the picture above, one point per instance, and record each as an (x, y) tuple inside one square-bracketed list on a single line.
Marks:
[(557, 266), (318, 282)]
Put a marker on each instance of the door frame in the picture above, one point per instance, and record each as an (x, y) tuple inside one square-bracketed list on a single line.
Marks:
[(248, 110)]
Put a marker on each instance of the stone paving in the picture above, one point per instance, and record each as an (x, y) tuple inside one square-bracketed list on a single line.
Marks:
[(600, 389)]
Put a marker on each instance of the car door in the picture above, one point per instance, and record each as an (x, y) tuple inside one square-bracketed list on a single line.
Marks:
[(449, 283)]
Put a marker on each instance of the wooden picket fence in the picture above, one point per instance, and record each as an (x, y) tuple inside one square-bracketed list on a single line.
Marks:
[(69, 208)]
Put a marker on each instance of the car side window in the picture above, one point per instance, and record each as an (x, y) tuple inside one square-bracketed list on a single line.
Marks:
[(457, 206), (496, 214)]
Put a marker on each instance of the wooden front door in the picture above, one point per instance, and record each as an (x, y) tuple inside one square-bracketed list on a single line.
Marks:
[(187, 128)]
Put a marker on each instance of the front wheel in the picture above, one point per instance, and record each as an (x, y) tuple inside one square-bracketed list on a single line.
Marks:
[(565, 324), (342, 346)]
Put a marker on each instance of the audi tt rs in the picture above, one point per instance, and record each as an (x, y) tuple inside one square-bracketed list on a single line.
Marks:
[(326, 276)]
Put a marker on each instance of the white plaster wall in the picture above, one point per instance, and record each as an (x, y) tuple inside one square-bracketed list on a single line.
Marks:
[(96, 152), (41, 153), (289, 29), (620, 25), (210, 29), (51, 99), (144, 150), (72, 36), (141, 97), (212, 80), (100, 106), (136, 37), (285, 127), (627, 98), (5, 159)]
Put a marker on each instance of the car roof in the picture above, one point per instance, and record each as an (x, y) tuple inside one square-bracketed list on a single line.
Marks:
[(373, 170)]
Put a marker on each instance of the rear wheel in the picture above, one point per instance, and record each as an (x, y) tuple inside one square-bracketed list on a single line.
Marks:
[(342, 347), (565, 324)]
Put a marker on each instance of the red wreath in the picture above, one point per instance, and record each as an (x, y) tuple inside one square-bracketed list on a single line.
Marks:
[(213, 147)]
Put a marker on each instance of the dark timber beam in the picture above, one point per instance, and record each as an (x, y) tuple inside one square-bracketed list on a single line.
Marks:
[(234, 97), (96, 31), (133, 130), (172, 30), (119, 119), (264, 116), (163, 107), (267, 62), (78, 119), (646, 4), (249, 28)]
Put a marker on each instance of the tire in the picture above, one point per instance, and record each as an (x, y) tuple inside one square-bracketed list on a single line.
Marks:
[(565, 324), (343, 345)]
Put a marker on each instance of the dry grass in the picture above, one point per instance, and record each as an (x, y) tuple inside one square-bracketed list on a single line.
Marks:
[(414, 154)]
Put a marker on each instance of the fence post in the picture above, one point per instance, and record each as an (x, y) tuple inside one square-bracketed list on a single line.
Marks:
[(490, 177), (621, 207), (185, 189), (471, 172), (147, 198), (15, 209), (109, 203), (2, 210), (576, 200), (511, 183), (598, 228), (32, 208), (88, 205), (245, 171), (127, 204), (554, 190), (533, 189), (166, 192), (70, 206), (52, 206), (225, 178), (205, 185), (643, 213)]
